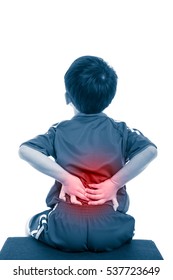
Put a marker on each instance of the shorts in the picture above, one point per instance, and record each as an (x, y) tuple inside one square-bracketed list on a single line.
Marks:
[(71, 227)]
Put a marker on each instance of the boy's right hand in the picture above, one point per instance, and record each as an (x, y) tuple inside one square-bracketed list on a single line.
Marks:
[(102, 192), (74, 188)]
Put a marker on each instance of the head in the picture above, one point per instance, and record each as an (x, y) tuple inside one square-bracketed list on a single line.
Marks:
[(90, 84)]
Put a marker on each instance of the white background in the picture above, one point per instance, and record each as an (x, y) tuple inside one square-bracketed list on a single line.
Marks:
[(39, 41)]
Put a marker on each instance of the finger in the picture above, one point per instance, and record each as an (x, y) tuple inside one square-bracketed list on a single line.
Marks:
[(74, 200), (82, 187), (115, 203), (62, 195), (97, 202), (94, 196), (90, 191), (80, 193), (94, 186), (82, 196), (97, 186)]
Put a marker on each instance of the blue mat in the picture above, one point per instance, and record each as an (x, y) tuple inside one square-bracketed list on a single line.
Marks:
[(27, 248)]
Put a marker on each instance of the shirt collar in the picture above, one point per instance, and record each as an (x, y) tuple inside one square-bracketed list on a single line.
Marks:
[(90, 115)]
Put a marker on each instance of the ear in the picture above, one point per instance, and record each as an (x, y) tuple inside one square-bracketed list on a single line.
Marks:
[(67, 98)]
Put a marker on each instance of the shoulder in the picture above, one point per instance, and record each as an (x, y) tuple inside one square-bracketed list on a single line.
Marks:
[(58, 125), (123, 127), (119, 125)]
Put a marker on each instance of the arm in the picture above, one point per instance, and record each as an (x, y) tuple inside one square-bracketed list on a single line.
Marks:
[(49, 167), (135, 166), (107, 190)]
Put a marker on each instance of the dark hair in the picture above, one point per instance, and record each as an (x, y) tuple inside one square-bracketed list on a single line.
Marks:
[(90, 84)]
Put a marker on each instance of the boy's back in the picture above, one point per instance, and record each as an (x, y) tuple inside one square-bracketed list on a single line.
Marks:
[(92, 147)]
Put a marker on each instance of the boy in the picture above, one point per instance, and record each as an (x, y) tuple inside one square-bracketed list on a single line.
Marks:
[(94, 157)]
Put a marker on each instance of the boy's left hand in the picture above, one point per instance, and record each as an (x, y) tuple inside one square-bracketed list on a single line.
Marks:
[(101, 193), (73, 198), (74, 187)]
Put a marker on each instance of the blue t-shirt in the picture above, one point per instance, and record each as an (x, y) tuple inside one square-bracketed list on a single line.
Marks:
[(92, 147)]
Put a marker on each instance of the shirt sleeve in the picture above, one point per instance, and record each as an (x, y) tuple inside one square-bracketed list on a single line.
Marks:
[(135, 142), (44, 143)]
